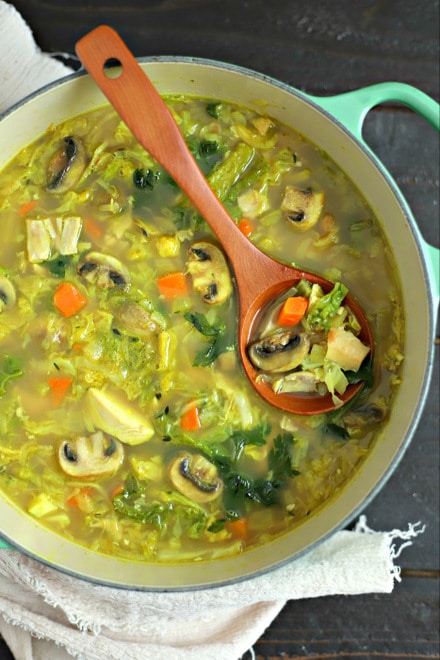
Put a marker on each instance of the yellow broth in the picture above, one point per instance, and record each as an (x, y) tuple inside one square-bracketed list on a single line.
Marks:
[(138, 389)]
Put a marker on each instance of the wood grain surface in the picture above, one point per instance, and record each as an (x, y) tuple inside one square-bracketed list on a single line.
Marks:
[(322, 48)]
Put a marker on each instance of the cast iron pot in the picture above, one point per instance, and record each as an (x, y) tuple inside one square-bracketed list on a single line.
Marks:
[(335, 125)]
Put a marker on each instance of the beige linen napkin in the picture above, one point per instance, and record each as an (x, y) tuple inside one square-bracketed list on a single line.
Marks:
[(93, 622), (48, 615)]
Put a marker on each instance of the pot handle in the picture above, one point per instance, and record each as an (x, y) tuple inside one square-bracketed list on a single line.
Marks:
[(351, 109)]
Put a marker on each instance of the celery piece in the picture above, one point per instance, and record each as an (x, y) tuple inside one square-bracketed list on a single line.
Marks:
[(229, 171), (327, 306), (260, 171)]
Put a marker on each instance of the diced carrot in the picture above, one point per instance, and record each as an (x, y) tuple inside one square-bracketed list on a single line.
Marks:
[(59, 387), (76, 347), (92, 228), (80, 498), (292, 310), (246, 227), (28, 207), (68, 300), (117, 490), (238, 528), (72, 501), (173, 285), (190, 420)]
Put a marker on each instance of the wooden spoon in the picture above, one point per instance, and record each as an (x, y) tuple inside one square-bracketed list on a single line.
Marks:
[(259, 278)]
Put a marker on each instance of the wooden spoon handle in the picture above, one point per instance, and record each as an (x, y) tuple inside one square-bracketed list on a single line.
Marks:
[(259, 277), (134, 97), (142, 108)]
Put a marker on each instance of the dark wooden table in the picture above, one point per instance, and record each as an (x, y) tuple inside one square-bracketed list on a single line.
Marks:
[(322, 48)]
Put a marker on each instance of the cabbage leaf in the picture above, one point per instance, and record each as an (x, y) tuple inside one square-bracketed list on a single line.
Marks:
[(10, 367)]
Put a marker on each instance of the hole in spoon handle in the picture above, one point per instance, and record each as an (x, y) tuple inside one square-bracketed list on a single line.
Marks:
[(112, 68), (139, 104), (130, 91)]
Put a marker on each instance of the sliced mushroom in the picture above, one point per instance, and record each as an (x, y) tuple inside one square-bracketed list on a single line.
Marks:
[(93, 456), (302, 207), (298, 381), (136, 320), (367, 415), (210, 272), (7, 293), (281, 351), (145, 230), (66, 165), (103, 270), (195, 477)]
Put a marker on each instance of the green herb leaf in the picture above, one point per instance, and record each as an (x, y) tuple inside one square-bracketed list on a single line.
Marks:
[(365, 374), (340, 432), (201, 323), (132, 502), (208, 147), (58, 265), (280, 457), (240, 487), (217, 525), (219, 343), (214, 109), (255, 436), (206, 357), (145, 179), (206, 152)]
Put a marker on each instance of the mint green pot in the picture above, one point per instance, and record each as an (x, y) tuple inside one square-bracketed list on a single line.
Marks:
[(335, 125)]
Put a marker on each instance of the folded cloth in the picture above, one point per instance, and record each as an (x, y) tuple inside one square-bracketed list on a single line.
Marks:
[(47, 614), (23, 67), (93, 622)]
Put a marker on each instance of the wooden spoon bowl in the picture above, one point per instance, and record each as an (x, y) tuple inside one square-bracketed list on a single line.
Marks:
[(259, 278)]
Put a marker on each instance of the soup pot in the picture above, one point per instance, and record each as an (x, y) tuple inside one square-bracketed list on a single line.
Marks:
[(335, 125)]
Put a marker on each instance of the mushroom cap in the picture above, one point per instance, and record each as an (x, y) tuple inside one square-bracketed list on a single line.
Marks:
[(136, 320), (7, 293), (210, 272), (280, 351), (103, 270), (297, 381), (93, 456), (66, 165), (195, 477), (303, 207)]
